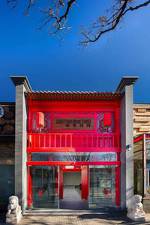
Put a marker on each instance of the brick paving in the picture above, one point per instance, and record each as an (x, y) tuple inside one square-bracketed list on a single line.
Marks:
[(81, 219)]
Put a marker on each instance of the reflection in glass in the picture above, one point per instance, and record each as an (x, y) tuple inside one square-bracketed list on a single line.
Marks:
[(102, 186), (148, 166), (138, 167), (45, 187), (75, 156)]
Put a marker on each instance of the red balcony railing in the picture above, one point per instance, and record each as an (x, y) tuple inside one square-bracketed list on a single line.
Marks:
[(72, 141)]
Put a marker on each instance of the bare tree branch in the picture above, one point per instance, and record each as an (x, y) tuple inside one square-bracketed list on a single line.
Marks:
[(56, 15), (30, 3), (57, 12), (69, 5), (136, 7), (111, 23)]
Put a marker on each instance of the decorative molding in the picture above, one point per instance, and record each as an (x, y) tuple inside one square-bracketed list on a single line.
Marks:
[(18, 80), (126, 81)]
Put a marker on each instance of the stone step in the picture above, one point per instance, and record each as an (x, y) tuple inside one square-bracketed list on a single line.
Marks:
[(42, 212)]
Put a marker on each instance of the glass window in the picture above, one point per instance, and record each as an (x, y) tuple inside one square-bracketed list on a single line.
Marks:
[(148, 180), (45, 187), (148, 166), (138, 168), (102, 186)]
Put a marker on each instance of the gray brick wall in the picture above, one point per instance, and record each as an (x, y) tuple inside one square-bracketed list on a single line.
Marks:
[(127, 185), (20, 146)]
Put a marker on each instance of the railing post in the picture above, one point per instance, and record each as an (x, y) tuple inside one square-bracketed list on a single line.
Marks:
[(71, 140), (50, 141)]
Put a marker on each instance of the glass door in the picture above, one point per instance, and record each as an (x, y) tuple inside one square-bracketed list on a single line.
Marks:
[(45, 186), (102, 186), (148, 180)]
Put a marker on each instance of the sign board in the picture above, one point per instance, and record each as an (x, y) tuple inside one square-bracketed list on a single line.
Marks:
[(73, 123)]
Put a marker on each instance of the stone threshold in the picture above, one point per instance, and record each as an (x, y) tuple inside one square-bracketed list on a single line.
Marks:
[(42, 211)]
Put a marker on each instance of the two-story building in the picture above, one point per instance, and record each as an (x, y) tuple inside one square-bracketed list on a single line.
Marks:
[(74, 149)]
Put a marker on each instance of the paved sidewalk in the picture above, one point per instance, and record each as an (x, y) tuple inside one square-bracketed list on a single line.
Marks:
[(84, 219), (80, 219)]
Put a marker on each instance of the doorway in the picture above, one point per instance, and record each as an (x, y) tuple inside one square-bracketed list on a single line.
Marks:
[(63, 187), (72, 186), (73, 194)]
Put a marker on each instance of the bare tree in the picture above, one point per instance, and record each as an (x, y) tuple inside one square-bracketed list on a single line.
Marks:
[(57, 12)]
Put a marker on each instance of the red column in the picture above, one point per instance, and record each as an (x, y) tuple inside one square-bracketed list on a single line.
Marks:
[(29, 183), (117, 186), (84, 182), (61, 183)]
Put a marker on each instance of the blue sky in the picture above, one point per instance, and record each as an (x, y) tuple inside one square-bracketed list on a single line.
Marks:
[(54, 65)]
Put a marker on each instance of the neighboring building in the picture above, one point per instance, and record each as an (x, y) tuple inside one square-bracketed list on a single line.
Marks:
[(141, 126), (141, 118), (74, 149), (7, 152)]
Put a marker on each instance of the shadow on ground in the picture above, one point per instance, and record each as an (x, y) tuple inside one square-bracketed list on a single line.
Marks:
[(115, 218), (102, 218)]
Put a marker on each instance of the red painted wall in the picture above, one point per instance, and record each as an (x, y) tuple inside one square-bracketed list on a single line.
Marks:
[(48, 140)]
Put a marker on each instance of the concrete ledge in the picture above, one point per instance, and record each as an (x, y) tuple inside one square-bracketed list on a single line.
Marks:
[(18, 80), (125, 81)]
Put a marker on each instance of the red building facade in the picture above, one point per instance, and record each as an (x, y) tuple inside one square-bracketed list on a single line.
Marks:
[(74, 147)]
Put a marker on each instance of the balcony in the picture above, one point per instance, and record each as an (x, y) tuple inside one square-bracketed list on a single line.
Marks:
[(49, 142)]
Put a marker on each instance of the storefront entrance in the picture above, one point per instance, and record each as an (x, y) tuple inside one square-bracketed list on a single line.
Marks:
[(70, 187), (72, 191)]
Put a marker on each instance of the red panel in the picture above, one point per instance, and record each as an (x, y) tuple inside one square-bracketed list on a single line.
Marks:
[(84, 182), (117, 186), (71, 169), (139, 138), (74, 141), (107, 119), (29, 197), (40, 119), (67, 106), (58, 163), (61, 183)]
